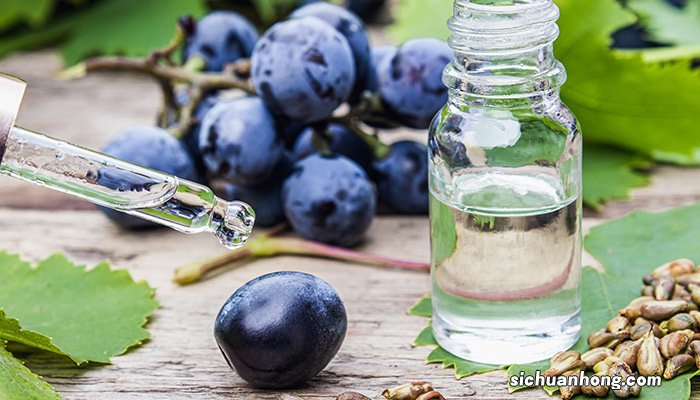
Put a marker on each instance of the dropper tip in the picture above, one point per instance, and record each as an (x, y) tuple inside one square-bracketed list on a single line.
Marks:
[(237, 225)]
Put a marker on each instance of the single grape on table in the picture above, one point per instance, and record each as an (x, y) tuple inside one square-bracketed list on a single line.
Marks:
[(281, 329)]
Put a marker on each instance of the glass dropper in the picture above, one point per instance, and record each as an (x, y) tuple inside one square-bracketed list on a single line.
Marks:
[(152, 195)]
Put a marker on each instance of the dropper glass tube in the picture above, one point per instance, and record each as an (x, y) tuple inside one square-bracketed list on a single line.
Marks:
[(152, 195)]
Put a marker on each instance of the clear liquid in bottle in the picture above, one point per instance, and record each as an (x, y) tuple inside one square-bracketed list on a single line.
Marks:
[(502, 275)]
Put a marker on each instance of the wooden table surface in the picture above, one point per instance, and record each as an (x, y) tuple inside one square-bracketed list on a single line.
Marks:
[(182, 361)]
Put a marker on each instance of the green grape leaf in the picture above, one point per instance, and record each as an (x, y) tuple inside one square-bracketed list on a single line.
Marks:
[(609, 174), (18, 382), (423, 307), (425, 337), (112, 27), (32, 12), (11, 330), (668, 24), (33, 39), (640, 241), (463, 368), (628, 248), (125, 27), (619, 98), (529, 370), (665, 54), (88, 315)]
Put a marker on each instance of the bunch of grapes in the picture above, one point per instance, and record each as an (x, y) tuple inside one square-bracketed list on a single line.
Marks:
[(299, 143)]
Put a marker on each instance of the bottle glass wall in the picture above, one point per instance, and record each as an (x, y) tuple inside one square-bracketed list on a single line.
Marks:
[(505, 185)]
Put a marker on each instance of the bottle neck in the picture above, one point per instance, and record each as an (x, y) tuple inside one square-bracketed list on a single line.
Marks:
[(504, 54)]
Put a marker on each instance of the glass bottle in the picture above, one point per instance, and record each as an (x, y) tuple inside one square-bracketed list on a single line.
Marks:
[(505, 185)]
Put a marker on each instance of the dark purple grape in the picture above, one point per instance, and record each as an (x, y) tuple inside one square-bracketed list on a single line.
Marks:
[(365, 8), (289, 130), (410, 82), (402, 178), (351, 27), (329, 199), (449, 148), (238, 141), (204, 106), (266, 197), (149, 147), (281, 329), (378, 120), (191, 138), (303, 69), (377, 55), (341, 141), (220, 38)]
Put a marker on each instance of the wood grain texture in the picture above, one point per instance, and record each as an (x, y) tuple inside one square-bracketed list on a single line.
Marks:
[(181, 361)]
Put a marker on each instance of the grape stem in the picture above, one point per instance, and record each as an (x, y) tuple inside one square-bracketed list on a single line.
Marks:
[(353, 121), (379, 149), (166, 53), (186, 117), (166, 86), (210, 81), (169, 102), (321, 140), (200, 83), (266, 245)]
